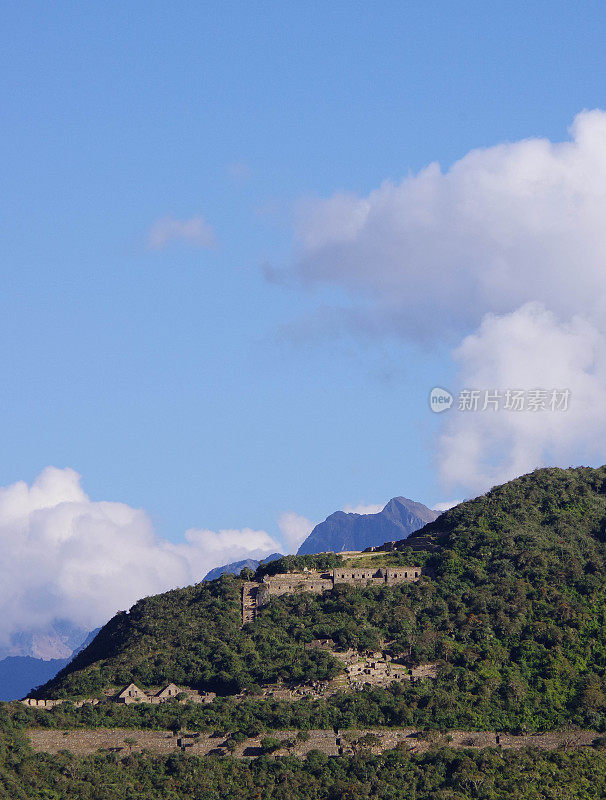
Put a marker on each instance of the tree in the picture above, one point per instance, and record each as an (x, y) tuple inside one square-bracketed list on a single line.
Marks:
[(269, 744)]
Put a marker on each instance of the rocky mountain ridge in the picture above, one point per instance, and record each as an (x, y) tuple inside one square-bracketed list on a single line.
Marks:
[(344, 530)]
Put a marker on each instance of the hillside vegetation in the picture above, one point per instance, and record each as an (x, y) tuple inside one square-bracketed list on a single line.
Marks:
[(512, 606)]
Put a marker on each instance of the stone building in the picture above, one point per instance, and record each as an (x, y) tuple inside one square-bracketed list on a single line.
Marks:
[(255, 595), (367, 576), (132, 694), (169, 692), (290, 582)]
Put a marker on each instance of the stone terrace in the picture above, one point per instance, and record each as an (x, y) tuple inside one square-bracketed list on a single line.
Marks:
[(124, 741)]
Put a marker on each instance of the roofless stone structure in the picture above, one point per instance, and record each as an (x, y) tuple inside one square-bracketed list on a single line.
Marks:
[(256, 594)]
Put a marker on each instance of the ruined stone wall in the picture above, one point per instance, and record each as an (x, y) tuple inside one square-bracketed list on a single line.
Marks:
[(193, 696), (358, 575), (368, 576), (402, 574), (345, 742), (288, 583), (255, 594), (31, 701)]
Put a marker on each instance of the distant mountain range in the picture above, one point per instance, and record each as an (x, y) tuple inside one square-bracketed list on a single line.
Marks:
[(349, 531), (57, 641), (20, 674), (236, 567)]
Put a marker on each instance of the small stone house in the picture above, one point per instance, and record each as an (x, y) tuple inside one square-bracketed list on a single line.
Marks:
[(168, 692), (132, 694)]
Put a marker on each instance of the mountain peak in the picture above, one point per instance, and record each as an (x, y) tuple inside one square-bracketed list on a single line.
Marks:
[(343, 530)]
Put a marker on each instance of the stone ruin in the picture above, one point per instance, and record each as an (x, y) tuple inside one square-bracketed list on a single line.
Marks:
[(32, 701), (131, 694), (257, 594)]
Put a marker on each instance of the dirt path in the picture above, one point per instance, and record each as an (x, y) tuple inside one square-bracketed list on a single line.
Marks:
[(124, 741)]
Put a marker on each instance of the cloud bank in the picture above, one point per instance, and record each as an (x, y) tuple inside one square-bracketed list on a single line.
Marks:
[(504, 253), (529, 348), (70, 562), (506, 225), (294, 529)]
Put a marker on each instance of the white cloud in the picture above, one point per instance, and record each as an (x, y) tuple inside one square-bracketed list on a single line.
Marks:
[(294, 529), (362, 508), (529, 348), (506, 225), (71, 562), (203, 547), (509, 242), (194, 231)]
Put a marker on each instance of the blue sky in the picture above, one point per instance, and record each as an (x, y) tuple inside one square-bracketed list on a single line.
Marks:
[(179, 379)]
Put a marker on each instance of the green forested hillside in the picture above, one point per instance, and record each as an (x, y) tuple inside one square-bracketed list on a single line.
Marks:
[(191, 636), (512, 606)]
